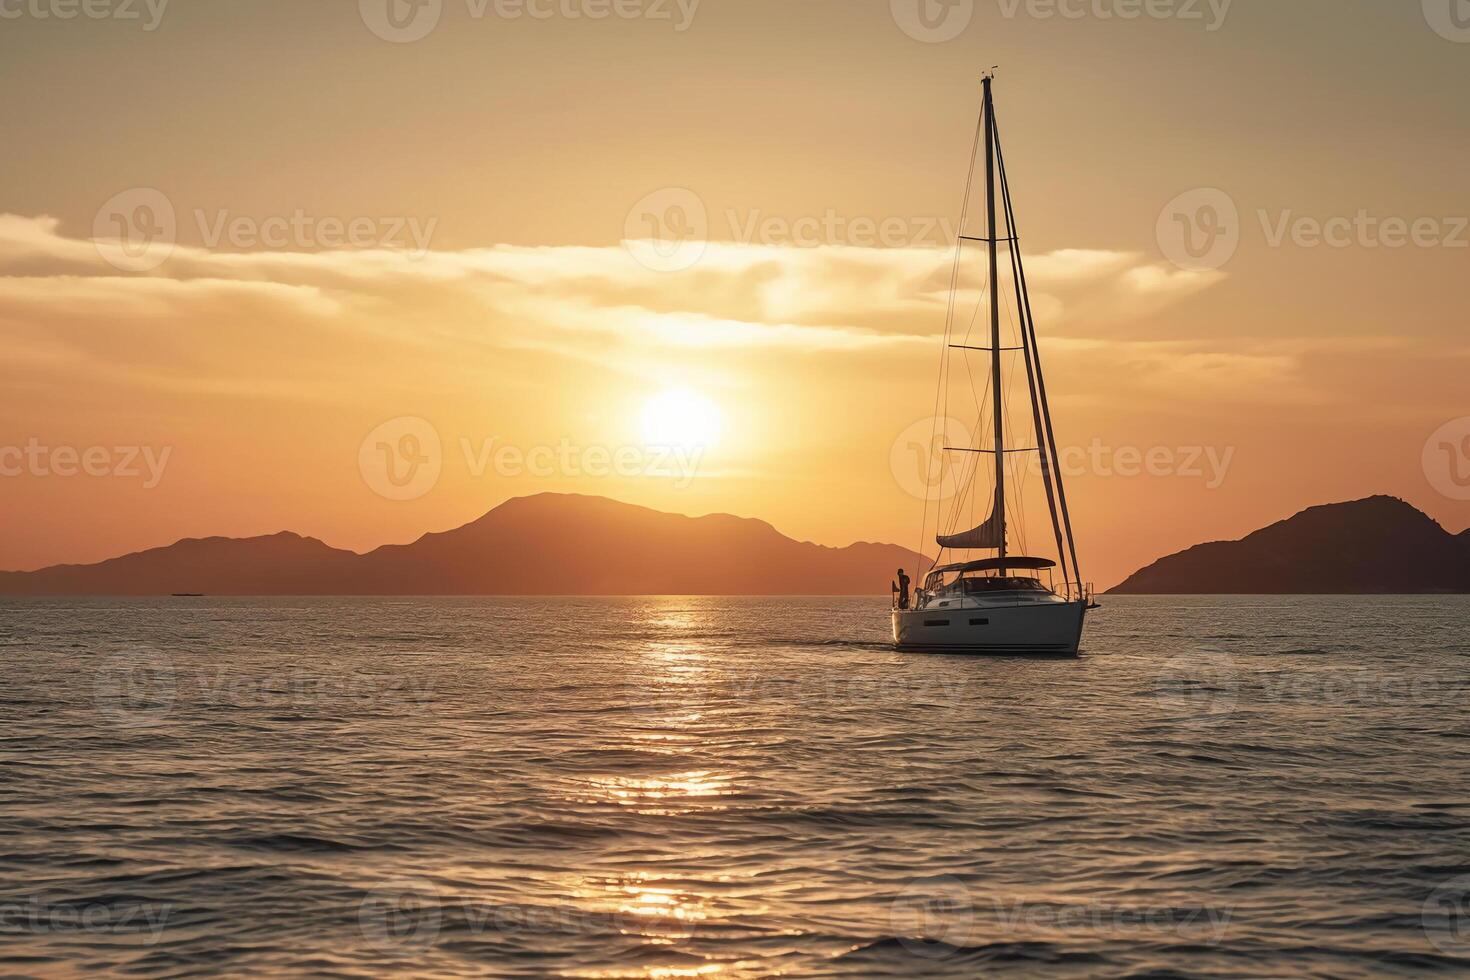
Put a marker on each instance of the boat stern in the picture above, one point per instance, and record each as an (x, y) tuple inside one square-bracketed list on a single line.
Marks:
[(1049, 628)]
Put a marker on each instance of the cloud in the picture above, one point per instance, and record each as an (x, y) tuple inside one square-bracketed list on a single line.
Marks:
[(121, 298), (230, 315), (39, 238), (1153, 280)]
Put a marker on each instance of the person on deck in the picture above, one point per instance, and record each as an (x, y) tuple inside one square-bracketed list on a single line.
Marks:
[(903, 590)]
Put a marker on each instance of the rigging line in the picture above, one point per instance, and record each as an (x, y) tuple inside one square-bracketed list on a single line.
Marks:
[(1016, 473), (957, 507), (1019, 475), (1019, 281), (1040, 377), (970, 327), (945, 375), (1018, 277), (956, 502), (965, 481), (975, 468), (967, 485), (946, 371), (1035, 409), (949, 321), (964, 484), (975, 314), (970, 373), (1014, 512)]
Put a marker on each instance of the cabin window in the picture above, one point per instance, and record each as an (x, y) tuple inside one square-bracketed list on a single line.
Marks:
[(979, 622), (936, 622)]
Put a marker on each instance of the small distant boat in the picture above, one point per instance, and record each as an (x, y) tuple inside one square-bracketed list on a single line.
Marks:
[(997, 603), (188, 595)]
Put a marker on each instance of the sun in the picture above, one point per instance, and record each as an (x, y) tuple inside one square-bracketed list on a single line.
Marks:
[(681, 418)]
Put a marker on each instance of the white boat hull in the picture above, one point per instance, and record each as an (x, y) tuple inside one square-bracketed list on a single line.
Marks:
[(1029, 627)]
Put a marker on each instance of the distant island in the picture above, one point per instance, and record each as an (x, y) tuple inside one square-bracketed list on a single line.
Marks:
[(549, 544), (570, 544), (1375, 545)]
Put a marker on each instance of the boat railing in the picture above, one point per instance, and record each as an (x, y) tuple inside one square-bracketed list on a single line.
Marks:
[(1076, 592), (1071, 591)]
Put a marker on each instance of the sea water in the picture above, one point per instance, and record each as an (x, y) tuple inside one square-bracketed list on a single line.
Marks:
[(671, 787)]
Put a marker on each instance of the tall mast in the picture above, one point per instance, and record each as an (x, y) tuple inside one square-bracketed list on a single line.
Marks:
[(995, 404)]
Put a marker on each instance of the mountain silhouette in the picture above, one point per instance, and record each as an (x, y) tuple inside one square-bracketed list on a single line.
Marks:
[(1375, 545), (549, 544)]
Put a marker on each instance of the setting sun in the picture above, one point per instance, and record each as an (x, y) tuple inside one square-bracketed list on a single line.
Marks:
[(681, 418)]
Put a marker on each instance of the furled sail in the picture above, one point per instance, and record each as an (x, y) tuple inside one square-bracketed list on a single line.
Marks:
[(990, 534)]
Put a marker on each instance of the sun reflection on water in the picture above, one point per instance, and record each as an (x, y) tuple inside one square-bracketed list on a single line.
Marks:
[(656, 912), (658, 796), (664, 908), (669, 677)]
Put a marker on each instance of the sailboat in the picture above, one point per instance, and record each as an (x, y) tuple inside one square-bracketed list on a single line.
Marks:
[(981, 596)]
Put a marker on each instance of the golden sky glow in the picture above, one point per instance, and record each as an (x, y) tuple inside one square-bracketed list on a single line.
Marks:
[(498, 173)]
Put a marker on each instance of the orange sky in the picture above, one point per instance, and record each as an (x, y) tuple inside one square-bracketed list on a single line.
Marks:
[(364, 230)]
